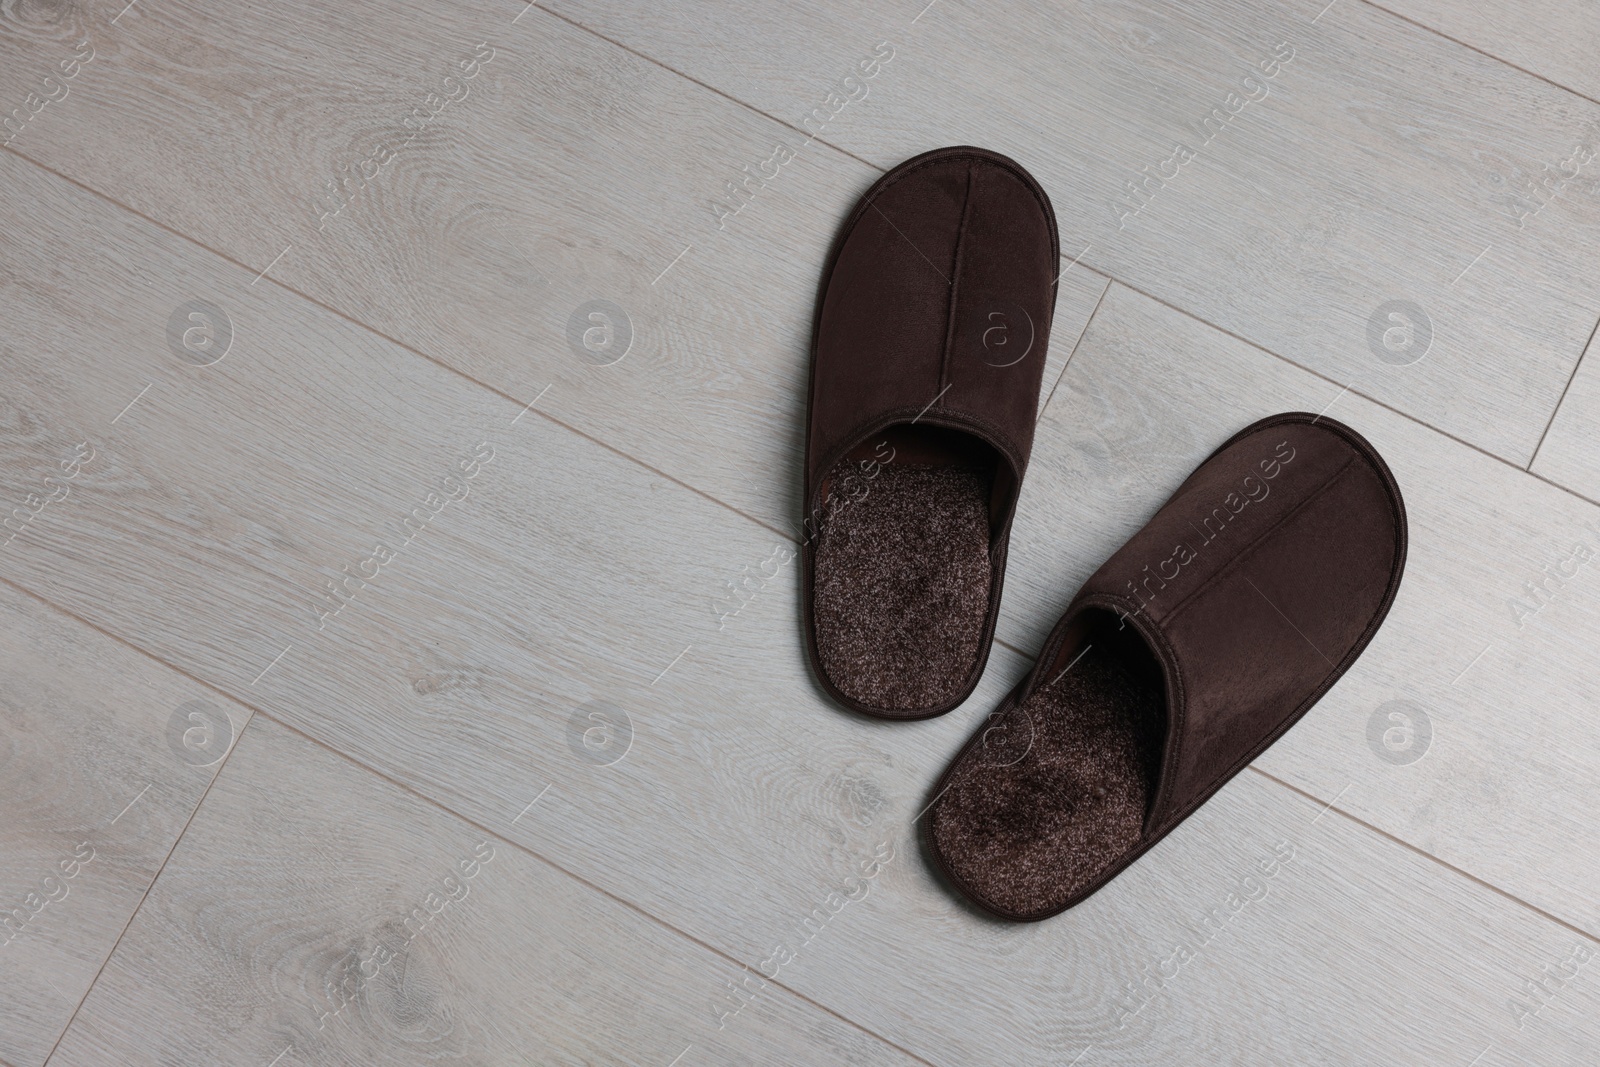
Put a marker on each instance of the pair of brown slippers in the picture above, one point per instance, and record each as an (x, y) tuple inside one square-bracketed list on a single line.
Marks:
[(1197, 645)]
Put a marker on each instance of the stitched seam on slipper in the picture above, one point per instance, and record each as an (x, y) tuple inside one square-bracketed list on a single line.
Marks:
[(1013, 169), (1248, 550), (973, 159), (955, 289)]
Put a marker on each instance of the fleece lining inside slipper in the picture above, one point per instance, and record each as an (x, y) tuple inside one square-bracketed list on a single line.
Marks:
[(1056, 789), (902, 583)]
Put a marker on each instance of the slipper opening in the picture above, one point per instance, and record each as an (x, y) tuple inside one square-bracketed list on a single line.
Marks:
[(1056, 790), (902, 569)]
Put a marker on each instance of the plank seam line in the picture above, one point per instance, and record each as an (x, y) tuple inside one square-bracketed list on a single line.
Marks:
[(1101, 299), (1112, 279), (409, 790), (132, 915), (637, 909), (709, 88), (458, 372), (1353, 391), (1424, 27), (1105, 273), (314, 301), (1563, 398), (1409, 847)]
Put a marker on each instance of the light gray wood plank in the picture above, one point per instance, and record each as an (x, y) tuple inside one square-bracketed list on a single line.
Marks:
[(1554, 39), (738, 802), (96, 781), (1182, 960), (548, 185), (46, 58), (1078, 292), (277, 486), (1508, 788), (1371, 167), (316, 914), (1568, 455)]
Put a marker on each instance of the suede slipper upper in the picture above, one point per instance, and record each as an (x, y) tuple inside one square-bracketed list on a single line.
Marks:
[(1203, 639), (927, 360)]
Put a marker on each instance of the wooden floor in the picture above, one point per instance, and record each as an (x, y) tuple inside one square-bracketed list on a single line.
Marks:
[(395, 395)]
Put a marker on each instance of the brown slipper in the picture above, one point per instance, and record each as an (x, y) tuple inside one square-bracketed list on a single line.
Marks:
[(926, 365), (1203, 639)]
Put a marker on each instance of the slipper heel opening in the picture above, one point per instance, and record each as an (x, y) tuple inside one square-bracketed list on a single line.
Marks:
[(1057, 792), (903, 572)]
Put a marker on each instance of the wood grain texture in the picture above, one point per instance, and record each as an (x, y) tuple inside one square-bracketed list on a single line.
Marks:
[(1373, 166), (1078, 293), (568, 171), (1554, 39), (1508, 789), (1353, 950), (727, 797), (96, 784), (1568, 455), (273, 488), (545, 633), (316, 913)]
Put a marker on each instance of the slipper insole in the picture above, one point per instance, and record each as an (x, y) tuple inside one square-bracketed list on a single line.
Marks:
[(1057, 788), (902, 583)]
